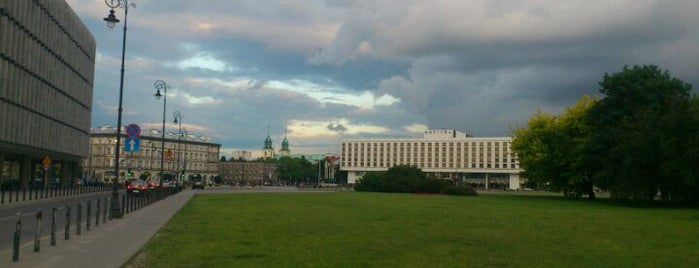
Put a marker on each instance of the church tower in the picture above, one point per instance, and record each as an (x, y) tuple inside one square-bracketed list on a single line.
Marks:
[(285, 147), (268, 151)]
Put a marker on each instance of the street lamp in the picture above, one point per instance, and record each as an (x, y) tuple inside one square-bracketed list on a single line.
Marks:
[(111, 22), (180, 157), (160, 84)]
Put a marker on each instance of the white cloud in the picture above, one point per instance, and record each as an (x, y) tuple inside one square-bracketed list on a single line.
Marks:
[(416, 128), (310, 128), (204, 60), (333, 94)]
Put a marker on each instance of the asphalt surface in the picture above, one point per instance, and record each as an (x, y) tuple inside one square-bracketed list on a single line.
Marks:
[(110, 244)]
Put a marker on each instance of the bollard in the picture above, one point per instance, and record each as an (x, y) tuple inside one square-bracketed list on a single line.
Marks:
[(123, 205), (104, 214), (53, 226), (67, 232), (78, 219), (37, 234), (111, 200), (97, 212), (15, 244), (89, 214)]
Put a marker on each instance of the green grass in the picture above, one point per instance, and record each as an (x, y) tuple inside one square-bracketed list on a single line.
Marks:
[(404, 230)]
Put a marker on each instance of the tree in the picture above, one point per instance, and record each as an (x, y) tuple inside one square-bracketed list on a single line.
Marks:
[(641, 132), (223, 158), (551, 149), (294, 170)]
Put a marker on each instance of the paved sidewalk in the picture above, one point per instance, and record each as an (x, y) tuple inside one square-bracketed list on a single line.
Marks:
[(109, 245)]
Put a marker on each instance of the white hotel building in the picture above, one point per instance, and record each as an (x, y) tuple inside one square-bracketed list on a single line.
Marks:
[(484, 163)]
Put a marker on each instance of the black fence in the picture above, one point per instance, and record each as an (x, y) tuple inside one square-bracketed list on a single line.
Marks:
[(15, 194), (75, 218)]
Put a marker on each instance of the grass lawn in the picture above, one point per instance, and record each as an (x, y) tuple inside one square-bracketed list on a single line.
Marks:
[(404, 230)]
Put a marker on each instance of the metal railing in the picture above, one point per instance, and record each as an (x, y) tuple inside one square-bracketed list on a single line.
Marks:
[(16, 194), (78, 216)]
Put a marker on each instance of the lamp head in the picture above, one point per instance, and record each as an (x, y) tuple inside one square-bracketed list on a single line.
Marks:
[(158, 95), (111, 19)]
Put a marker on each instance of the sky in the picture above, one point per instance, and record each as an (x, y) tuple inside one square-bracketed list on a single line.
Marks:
[(323, 71)]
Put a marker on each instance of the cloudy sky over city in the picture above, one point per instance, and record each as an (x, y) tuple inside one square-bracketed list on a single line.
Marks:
[(323, 71)]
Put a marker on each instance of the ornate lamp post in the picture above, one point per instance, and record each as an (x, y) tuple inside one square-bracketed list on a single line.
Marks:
[(111, 22), (160, 84), (181, 157)]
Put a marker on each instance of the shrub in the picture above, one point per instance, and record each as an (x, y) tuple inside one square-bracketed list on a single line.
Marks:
[(460, 190), (435, 186)]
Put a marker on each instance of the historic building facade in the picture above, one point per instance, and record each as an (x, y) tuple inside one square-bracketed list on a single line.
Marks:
[(186, 155), (248, 172), (47, 62), (483, 162)]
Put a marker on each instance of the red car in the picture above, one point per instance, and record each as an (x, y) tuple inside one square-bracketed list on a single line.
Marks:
[(137, 187), (153, 185)]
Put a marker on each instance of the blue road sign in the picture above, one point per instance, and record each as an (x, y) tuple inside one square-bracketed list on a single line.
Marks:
[(132, 144)]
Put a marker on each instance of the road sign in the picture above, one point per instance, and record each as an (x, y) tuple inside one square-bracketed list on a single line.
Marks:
[(133, 131), (168, 155), (46, 162), (132, 144)]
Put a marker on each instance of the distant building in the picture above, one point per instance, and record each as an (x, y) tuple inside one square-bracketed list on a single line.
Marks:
[(483, 162), (285, 147), (268, 150), (241, 155), (185, 155), (248, 172), (47, 63)]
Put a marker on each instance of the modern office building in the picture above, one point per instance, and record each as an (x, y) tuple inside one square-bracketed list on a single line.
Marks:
[(483, 162), (187, 155), (47, 61)]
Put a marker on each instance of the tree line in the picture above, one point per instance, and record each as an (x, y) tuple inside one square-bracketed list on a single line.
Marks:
[(639, 141)]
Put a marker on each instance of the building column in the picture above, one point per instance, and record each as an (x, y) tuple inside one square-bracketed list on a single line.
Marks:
[(486, 181), (2, 165), (75, 171), (514, 181), (25, 171), (64, 173)]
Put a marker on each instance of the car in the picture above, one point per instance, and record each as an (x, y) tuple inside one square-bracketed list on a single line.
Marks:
[(198, 183), (153, 184), (167, 183), (137, 187)]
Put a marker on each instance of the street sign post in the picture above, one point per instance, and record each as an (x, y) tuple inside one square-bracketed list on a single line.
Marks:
[(132, 144), (46, 162), (132, 141)]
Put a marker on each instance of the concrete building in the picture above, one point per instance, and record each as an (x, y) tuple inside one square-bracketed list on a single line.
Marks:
[(47, 61), (187, 155), (482, 162)]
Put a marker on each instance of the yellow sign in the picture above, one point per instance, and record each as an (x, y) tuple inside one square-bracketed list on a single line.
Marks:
[(168, 155), (46, 161)]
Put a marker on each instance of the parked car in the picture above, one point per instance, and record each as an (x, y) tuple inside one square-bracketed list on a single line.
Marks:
[(167, 183), (153, 185), (198, 183), (137, 187)]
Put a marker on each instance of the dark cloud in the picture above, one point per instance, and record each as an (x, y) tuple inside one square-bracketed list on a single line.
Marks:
[(477, 66), (336, 127)]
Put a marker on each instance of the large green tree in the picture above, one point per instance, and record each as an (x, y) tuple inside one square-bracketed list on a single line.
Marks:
[(295, 170), (551, 149), (641, 133)]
